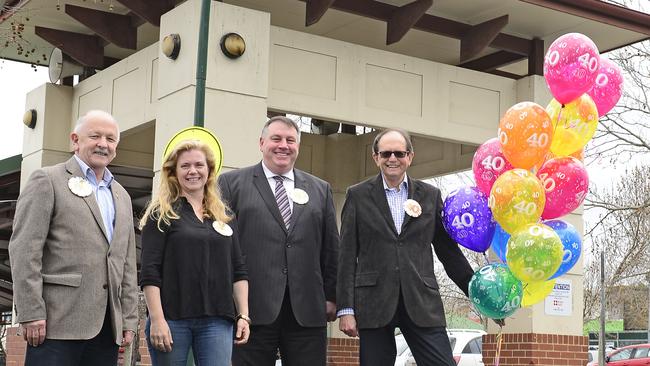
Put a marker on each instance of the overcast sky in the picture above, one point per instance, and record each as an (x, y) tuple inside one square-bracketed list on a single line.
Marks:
[(16, 80)]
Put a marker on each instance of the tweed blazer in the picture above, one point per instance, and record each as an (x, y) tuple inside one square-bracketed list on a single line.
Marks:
[(64, 269), (302, 259), (376, 263)]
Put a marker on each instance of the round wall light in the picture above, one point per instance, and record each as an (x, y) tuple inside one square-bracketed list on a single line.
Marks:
[(171, 45), (29, 118), (232, 45)]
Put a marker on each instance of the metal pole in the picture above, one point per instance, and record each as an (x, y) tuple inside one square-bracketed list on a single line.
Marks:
[(601, 338), (201, 64), (647, 277)]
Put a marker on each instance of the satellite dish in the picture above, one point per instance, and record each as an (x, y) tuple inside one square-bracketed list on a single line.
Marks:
[(60, 68)]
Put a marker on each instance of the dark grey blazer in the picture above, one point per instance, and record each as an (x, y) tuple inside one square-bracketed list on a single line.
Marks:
[(375, 262), (302, 259)]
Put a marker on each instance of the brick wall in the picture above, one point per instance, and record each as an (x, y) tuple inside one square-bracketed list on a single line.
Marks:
[(343, 352), (536, 349), (15, 348)]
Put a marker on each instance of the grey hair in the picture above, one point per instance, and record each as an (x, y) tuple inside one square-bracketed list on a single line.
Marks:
[(95, 113), (404, 133), (282, 119)]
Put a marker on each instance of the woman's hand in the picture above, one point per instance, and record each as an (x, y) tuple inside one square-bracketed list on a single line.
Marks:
[(243, 331), (160, 336)]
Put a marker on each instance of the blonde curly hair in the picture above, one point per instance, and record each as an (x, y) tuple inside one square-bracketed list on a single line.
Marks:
[(161, 208)]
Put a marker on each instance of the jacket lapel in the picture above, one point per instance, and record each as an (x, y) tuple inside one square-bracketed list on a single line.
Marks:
[(378, 195), (414, 194), (73, 168), (262, 185), (300, 182)]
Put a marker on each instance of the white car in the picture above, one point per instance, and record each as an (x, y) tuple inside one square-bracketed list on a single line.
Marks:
[(466, 345)]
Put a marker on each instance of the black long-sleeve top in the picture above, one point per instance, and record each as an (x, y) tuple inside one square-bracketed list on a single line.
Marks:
[(193, 265)]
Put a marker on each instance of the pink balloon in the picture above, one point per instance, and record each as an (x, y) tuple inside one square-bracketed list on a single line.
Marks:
[(608, 86), (488, 164), (566, 183), (570, 66)]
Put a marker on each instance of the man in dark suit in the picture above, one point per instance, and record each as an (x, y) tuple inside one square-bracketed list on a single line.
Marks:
[(288, 234), (385, 275)]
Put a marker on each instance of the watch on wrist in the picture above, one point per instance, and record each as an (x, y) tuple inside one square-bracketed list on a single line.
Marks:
[(245, 317)]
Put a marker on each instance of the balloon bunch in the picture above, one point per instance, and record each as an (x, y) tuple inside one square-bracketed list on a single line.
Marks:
[(530, 175)]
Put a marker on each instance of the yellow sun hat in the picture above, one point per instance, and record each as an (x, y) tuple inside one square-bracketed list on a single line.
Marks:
[(196, 133)]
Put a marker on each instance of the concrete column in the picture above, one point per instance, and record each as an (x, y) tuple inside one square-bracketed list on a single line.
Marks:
[(540, 334), (49, 142)]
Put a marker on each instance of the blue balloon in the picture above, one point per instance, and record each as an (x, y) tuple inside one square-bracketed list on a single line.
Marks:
[(572, 242), (500, 242), (468, 219)]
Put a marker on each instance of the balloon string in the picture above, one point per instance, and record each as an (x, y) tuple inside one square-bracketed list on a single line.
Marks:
[(499, 340), (487, 260)]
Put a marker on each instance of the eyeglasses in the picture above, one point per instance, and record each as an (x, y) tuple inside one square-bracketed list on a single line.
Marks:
[(398, 154)]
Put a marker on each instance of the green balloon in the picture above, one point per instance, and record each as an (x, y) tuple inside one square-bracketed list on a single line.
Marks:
[(534, 253), (495, 291)]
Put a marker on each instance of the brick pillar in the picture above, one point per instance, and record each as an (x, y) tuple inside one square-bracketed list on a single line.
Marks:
[(343, 352), (15, 348), (145, 359), (519, 349)]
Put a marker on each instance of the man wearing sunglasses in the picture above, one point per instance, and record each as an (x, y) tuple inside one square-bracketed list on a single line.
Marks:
[(385, 275)]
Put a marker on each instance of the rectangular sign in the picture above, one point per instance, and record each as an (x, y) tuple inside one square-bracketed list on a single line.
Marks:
[(559, 301)]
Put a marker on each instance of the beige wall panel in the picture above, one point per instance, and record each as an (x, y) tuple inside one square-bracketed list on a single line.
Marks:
[(306, 73), (484, 103), (247, 74), (128, 88), (53, 124), (237, 120), (386, 88), (309, 100), (97, 98), (180, 73), (175, 112)]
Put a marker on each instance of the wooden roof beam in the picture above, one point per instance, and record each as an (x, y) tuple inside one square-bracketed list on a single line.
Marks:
[(430, 23), (315, 10), (115, 28), (492, 61), (479, 37), (149, 10), (85, 49), (404, 18)]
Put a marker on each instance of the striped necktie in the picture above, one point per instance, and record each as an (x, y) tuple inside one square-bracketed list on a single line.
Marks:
[(282, 200)]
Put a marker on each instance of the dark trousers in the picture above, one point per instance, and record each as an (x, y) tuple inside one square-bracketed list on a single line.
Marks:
[(98, 351), (299, 346), (429, 345)]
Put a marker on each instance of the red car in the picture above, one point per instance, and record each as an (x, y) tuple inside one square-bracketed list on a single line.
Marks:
[(635, 355)]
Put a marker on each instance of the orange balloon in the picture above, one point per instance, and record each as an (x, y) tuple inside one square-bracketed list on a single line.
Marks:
[(525, 133)]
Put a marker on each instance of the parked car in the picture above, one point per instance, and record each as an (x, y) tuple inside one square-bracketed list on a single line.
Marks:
[(635, 355), (466, 345)]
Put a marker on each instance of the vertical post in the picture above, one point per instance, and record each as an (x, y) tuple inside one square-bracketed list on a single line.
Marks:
[(601, 338), (201, 64), (647, 277)]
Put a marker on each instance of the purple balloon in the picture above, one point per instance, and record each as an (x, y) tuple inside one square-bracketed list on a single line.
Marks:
[(468, 219)]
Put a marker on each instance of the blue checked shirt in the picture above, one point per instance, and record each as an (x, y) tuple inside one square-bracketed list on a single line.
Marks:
[(103, 195), (396, 198)]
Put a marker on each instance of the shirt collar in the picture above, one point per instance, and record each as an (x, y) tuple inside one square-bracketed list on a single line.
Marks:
[(90, 174), (269, 174), (403, 185)]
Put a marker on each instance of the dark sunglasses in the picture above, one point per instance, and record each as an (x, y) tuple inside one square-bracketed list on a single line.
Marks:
[(398, 154)]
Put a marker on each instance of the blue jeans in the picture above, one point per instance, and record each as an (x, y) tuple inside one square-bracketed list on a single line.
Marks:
[(211, 340)]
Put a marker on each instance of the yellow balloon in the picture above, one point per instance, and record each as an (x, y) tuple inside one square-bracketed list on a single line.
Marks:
[(196, 133), (574, 124), (517, 198), (534, 253), (535, 292)]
